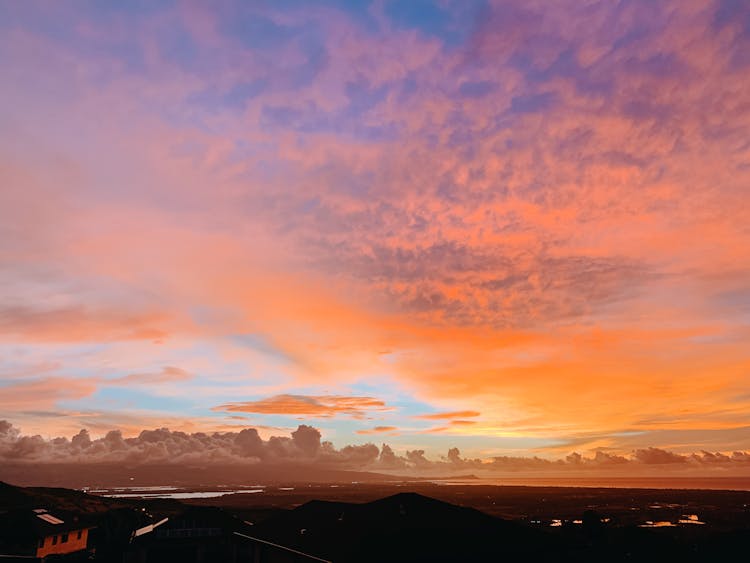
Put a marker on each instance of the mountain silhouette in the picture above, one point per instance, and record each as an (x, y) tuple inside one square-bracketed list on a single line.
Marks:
[(402, 527)]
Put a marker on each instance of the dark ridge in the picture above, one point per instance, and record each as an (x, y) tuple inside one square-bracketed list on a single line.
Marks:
[(592, 525), (12, 497), (423, 528)]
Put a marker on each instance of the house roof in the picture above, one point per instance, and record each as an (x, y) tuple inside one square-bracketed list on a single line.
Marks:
[(25, 524)]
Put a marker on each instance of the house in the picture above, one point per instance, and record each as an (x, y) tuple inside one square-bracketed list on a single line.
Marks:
[(39, 533)]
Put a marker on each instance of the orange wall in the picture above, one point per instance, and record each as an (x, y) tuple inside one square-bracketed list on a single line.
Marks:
[(73, 544)]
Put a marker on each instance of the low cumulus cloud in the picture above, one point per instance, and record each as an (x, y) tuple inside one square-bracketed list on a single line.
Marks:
[(306, 446), (655, 456), (165, 446)]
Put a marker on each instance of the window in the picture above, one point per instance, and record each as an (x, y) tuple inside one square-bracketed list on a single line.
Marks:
[(54, 540), (41, 542), (80, 534), (64, 538)]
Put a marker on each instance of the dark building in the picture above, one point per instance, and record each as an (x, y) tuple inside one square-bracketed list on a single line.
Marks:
[(208, 535), (39, 533)]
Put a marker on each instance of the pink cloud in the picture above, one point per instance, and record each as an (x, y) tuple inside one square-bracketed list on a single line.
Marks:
[(43, 394), (168, 374)]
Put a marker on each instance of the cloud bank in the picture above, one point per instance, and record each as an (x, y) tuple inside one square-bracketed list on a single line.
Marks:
[(305, 447)]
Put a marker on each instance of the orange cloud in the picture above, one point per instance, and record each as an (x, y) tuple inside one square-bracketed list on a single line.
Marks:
[(448, 415), (323, 406), (43, 394), (78, 324), (378, 430), (168, 374)]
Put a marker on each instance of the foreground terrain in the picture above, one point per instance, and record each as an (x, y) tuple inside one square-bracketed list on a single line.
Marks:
[(401, 521)]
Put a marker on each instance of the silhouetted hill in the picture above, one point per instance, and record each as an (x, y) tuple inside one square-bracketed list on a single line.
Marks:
[(402, 527), (12, 497)]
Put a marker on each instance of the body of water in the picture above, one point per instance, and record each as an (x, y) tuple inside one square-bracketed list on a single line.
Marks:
[(146, 492), (705, 483)]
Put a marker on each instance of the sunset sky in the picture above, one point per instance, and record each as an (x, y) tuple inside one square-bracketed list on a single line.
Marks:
[(514, 227)]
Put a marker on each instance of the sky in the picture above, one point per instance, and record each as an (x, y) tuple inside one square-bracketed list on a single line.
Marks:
[(518, 228)]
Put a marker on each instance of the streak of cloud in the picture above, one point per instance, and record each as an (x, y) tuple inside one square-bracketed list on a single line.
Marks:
[(323, 406)]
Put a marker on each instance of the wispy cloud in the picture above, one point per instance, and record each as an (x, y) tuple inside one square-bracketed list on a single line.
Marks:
[(379, 430), (323, 406), (448, 415), (168, 374)]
